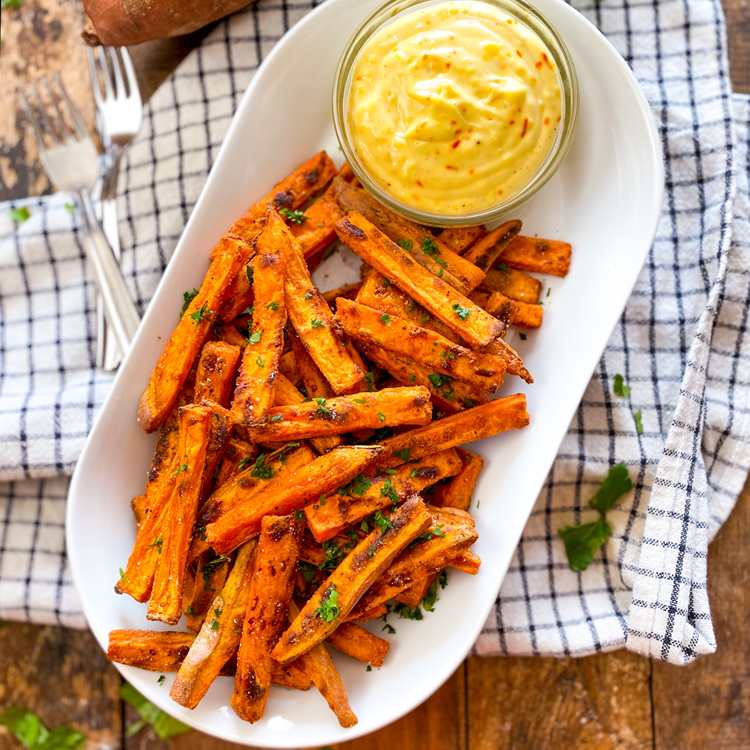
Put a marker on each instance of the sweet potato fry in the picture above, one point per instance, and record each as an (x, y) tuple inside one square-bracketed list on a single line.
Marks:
[(413, 595), (159, 651), (460, 239), (183, 346), (267, 612), (334, 416), (214, 377), (359, 643), (378, 292), (364, 496), (319, 477), (507, 413), (289, 194), (318, 665), (467, 562), (219, 635), (448, 395), (309, 313), (316, 231), (169, 578), (348, 291), (337, 596), (458, 492), (139, 507), (524, 315), (458, 312), (240, 294), (288, 368), (230, 334), (514, 284), (426, 249), (211, 572), (537, 255), (253, 395), (238, 453), (372, 614), (266, 472), (365, 324), (446, 541), (487, 250)]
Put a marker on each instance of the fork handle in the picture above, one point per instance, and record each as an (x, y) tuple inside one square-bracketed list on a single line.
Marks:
[(119, 309)]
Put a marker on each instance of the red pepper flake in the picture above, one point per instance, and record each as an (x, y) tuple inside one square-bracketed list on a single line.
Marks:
[(512, 122), (525, 125), (499, 192), (546, 120), (415, 197), (459, 131), (453, 122), (420, 183), (538, 65), (448, 65), (453, 169), (559, 117), (425, 56), (471, 171), (518, 52), (546, 59), (456, 144)]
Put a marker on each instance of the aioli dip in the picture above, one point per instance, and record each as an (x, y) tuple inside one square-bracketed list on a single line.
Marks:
[(453, 107)]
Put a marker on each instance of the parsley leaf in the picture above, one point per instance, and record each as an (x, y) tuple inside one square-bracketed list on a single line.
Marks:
[(165, 727), (298, 217), (259, 362), (200, 315), (334, 555), (70, 208), (386, 319), (272, 306), (428, 602), (382, 521), (328, 609), (502, 267), (255, 337), (462, 312), (619, 386), (308, 571), (262, 470), (389, 629), (616, 484), (250, 274), (317, 323), (19, 215), (244, 462), (407, 613), (157, 543), (187, 298), (358, 486), (381, 416), (582, 542), (405, 244), (207, 570), (412, 378), (277, 417), (180, 469), (27, 727), (429, 246), (638, 417), (321, 405), (403, 454)]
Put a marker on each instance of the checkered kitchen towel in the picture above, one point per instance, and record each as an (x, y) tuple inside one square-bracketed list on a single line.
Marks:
[(682, 345)]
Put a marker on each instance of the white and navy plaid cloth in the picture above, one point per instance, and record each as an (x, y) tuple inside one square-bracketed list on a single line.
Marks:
[(682, 345)]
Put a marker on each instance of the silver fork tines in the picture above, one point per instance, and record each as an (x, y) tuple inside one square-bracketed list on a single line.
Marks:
[(69, 157)]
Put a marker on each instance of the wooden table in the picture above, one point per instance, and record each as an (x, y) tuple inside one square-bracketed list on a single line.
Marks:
[(608, 701)]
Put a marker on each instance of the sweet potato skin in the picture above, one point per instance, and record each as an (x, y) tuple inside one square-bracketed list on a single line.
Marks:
[(475, 325), (538, 255), (359, 643), (487, 250), (214, 378), (183, 346), (459, 491), (351, 579), (305, 486), (460, 239), (513, 284), (523, 315), (270, 591)]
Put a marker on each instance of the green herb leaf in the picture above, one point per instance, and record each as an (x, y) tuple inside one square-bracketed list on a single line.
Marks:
[(157, 543), (259, 362), (272, 306), (255, 337), (468, 403), (405, 244), (317, 323), (334, 555), (502, 267), (638, 417), (70, 208), (389, 491), (386, 319), (424, 319), (407, 613), (299, 514), (214, 624), (328, 609), (123, 576), (381, 416), (428, 602), (277, 417), (244, 462), (359, 401), (582, 542), (308, 571), (161, 679), (462, 312), (358, 486), (11, 3), (522, 336), (308, 295), (180, 469), (298, 217), (619, 387), (164, 725), (19, 215), (429, 246), (382, 521), (200, 315), (250, 274), (412, 379), (207, 570), (261, 469), (25, 726), (616, 484), (187, 298), (389, 629), (403, 454)]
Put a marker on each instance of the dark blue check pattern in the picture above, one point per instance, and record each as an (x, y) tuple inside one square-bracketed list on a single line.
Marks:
[(682, 345)]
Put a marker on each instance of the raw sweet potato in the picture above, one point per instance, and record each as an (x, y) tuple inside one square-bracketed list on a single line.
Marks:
[(335, 416), (319, 477), (186, 341), (337, 596), (319, 666), (267, 613), (309, 313), (458, 312), (514, 284), (174, 544), (359, 643), (365, 324), (537, 255), (487, 250), (483, 421), (214, 377), (253, 395), (365, 495), (426, 249)]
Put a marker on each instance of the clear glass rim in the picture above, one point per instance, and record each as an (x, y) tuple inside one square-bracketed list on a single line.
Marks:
[(570, 103)]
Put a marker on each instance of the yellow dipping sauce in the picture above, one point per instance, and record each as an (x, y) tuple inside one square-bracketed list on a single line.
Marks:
[(453, 107)]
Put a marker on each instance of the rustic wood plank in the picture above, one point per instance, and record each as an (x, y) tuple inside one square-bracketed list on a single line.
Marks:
[(438, 724), (737, 13), (63, 676), (602, 702), (710, 698)]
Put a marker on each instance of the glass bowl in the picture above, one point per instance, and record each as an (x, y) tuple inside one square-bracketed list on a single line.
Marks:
[(525, 14)]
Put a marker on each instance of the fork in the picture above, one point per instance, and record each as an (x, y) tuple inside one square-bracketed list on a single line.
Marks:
[(71, 165), (119, 116)]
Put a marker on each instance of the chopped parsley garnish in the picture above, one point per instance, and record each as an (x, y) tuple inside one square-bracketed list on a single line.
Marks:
[(201, 532), (385, 319), (412, 379), (244, 462), (370, 380), (405, 244), (70, 208), (334, 555), (403, 454), (308, 295), (299, 514), (321, 405), (214, 624), (200, 315), (386, 282), (407, 613), (429, 246), (190, 610), (261, 469), (180, 469), (428, 602), (443, 578), (207, 570), (359, 401), (358, 486), (381, 416), (317, 323), (259, 362), (255, 337), (382, 521), (25, 725), (19, 215), (389, 491), (187, 298), (522, 336), (462, 312), (308, 571), (583, 540), (250, 274), (429, 534), (298, 217), (619, 387), (123, 576), (328, 609), (277, 418), (157, 543), (161, 679), (424, 319), (502, 267), (468, 403), (389, 629), (272, 306), (638, 417), (549, 289)]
